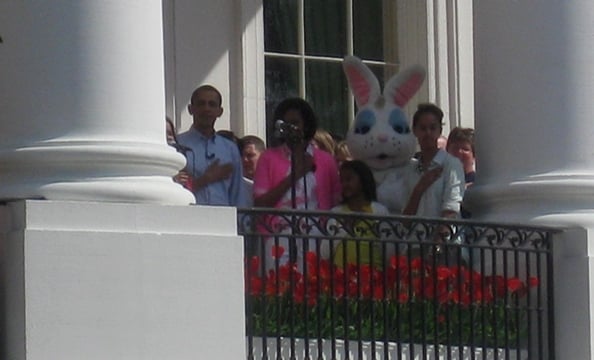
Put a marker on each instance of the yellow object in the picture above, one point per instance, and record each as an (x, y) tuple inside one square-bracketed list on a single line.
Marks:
[(362, 229)]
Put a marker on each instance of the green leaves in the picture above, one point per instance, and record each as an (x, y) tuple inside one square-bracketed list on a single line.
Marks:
[(414, 322)]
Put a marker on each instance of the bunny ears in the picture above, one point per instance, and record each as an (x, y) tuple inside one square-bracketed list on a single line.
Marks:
[(366, 89)]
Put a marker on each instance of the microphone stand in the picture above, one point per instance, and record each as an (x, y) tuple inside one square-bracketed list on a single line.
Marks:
[(292, 140)]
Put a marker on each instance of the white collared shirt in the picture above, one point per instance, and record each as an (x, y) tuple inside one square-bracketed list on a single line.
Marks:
[(445, 193)]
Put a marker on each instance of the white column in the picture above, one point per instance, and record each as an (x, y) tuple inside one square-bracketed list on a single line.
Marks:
[(438, 35), (82, 107), (534, 91), (534, 109), (253, 110)]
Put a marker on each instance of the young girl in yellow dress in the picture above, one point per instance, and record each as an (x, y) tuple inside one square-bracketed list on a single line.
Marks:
[(359, 196)]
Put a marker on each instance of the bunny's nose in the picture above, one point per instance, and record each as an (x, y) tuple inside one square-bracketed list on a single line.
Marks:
[(382, 138)]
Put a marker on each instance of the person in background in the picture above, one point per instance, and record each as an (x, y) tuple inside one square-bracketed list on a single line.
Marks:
[(250, 148), (461, 145), (170, 131), (215, 169), (342, 152), (228, 134), (182, 176), (324, 141)]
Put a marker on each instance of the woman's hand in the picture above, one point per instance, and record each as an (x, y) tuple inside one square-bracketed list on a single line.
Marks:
[(303, 164)]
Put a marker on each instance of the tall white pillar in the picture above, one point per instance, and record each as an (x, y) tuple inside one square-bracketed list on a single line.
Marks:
[(534, 86), (82, 117), (82, 108), (534, 110)]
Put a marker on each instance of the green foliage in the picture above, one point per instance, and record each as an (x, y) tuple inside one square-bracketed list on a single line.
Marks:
[(408, 301)]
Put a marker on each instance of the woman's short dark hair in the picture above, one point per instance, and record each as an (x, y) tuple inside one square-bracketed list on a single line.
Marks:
[(365, 176), (428, 108), (310, 121)]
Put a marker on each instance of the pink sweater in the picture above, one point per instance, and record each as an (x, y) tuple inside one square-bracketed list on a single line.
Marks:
[(273, 166)]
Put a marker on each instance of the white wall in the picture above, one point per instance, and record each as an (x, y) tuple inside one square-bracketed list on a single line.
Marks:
[(205, 41), (120, 281), (222, 43)]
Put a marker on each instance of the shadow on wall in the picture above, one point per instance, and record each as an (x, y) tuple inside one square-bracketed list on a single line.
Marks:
[(203, 45)]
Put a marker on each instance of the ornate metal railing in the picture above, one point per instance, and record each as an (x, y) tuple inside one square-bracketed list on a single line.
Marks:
[(329, 285)]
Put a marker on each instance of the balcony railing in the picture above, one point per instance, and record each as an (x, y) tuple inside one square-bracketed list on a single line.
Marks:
[(346, 286)]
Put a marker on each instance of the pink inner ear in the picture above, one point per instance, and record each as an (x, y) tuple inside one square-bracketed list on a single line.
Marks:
[(407, 90), (359, 85)]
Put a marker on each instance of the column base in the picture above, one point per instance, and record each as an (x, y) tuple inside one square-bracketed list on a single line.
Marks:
[(112, 171), (121, 281), (551, 199)]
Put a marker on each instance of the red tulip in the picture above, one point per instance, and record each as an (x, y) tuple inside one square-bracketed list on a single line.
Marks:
[(514, 284), (533, 281), (254, 264), (255, 285), (277, 251), (443, 272)]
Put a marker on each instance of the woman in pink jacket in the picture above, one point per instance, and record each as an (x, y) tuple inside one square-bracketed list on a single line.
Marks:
[(316, 185)]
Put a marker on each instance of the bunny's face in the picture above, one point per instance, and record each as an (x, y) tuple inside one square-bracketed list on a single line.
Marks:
[(381, 135)]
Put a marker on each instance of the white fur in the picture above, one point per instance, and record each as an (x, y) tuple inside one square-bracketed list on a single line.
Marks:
[(381, 134)]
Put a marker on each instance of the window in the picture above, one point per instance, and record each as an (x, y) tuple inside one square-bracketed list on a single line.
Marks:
[(305, 42)]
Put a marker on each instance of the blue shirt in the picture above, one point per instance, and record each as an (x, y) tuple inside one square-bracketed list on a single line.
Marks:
[(228, 192)]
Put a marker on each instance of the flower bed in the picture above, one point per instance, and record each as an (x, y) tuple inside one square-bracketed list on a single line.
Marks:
[(406, 301)]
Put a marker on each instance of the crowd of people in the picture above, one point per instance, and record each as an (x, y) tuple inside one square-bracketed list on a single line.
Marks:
[(307, 169)]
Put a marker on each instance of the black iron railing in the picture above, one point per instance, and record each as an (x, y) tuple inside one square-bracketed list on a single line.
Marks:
[(327, 285)]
